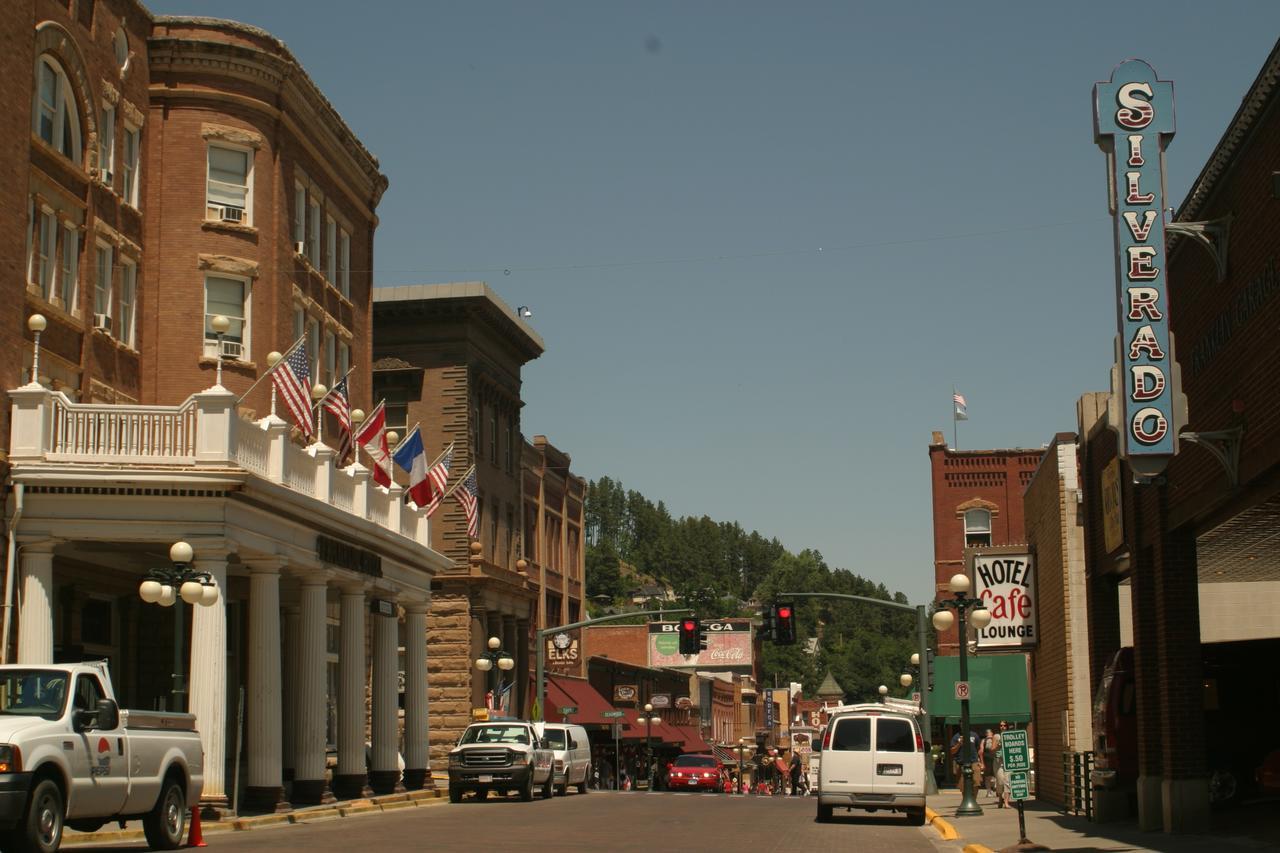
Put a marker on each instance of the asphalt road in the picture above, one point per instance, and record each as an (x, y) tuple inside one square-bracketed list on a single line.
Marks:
[(599, 821)]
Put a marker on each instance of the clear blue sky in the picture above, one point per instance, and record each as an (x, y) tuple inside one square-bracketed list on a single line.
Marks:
[(763, 240)]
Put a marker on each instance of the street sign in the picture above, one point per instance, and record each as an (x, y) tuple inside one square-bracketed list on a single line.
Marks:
[(617, 730), (611, 714), (1019, 788), (962, 690), (915, 697), (1013, 751), (566, 710)]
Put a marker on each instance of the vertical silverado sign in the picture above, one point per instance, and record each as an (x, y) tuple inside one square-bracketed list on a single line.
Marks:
[(1132, 123)]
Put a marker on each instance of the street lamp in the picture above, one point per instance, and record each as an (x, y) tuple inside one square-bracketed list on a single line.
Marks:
[(883, 691), (165, 586), (220, 325), (318, 393), (905, 679), (650, 720), (273, 358), (942, 621), (742, 747), (37, 324), (487, 660)]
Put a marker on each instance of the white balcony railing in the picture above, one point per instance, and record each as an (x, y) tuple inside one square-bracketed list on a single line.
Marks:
[(205, 431)]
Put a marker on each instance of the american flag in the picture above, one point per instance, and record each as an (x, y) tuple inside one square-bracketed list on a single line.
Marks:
[(438, 474), (467, 494), (338, 403), (962, 409), (292, 380)]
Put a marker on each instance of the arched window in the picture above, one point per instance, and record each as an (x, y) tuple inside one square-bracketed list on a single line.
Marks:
[(977, 528), (55, 118)]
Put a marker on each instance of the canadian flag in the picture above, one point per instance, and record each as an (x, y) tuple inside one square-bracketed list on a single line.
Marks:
[(372, 436)]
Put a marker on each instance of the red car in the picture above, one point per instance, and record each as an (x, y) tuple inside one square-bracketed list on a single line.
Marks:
[(695, 773)]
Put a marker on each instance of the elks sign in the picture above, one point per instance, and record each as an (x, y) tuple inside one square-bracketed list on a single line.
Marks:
[(1132, 123), (1004, 580)]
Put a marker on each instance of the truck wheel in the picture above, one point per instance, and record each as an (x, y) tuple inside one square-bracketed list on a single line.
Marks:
[(455, 794), (825, 813), (165, 824), (526, 790), (584, 787), (549, 789), (41, 828), (915, 817)]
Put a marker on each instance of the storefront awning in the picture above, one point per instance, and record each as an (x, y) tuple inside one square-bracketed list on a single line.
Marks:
[(564, 691), (693, 741), (997, 689)]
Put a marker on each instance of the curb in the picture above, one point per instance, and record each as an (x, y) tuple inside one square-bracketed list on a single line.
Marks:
[(977, 848), (350, 808), (943, 828)]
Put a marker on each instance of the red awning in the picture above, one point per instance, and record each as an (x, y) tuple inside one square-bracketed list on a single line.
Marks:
[(661, 733), (565, 691), (693, 741)]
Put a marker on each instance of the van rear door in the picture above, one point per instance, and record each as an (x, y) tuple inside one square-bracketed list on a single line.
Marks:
[(899, 765), (846, 765)]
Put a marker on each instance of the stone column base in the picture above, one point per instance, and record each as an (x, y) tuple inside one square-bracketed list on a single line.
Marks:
[(418, 780), (351, 786), (1150, 808), (1110, 805), (385, 782), (1186, 805), (311, 792), (265, 799), (215, 807)]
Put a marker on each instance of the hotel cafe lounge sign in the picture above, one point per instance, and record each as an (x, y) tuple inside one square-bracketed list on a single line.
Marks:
[(1133, 123)]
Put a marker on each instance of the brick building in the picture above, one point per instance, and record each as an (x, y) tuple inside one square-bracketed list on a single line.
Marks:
[(1210, 520), (161, 171), (977, 502)]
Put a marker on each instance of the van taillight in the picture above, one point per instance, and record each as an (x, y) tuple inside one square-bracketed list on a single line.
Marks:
[(826, 740), (919, 743)]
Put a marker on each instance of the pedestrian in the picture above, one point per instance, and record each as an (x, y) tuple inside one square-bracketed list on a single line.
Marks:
[(963, 754), (796, 767), (989, 754)]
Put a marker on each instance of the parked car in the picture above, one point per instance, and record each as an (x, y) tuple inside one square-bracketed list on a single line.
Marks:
[(695, 773), (1268, 775), (501, 755), (69, 756), (571, 754), (872, 759)]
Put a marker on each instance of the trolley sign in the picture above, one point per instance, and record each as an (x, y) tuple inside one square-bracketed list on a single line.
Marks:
[(1017, 762)]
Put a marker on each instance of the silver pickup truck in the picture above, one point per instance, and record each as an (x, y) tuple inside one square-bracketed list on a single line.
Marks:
[(501, 755), (69, 756)]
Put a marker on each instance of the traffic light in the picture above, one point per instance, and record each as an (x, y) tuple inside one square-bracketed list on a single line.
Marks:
[(766, 623), (784, 623), (690, 636)]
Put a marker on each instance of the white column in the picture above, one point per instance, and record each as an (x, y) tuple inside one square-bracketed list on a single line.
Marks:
[(385, 771), (265, 789), (416, 732), (309, 782), (350, 777), (208, 662), (289, 685), (35, 619)]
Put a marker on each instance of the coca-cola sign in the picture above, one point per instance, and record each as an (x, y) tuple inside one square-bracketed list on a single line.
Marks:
[(728, 645)]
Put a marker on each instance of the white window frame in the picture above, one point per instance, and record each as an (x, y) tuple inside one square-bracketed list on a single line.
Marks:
[(299, 323), (129, 165), (331, 250), (101, 294), (59, 114), (313, 231), (299, 214), (344, 263), (247, 216), (313, 348), (211, 339), (344, 358), (330, 358), (45, 251), (107, 146), (127, 331), (69, 269), (977, 529)]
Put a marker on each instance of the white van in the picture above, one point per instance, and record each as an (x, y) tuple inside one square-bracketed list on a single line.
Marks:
[(572, 754), (872, 758)]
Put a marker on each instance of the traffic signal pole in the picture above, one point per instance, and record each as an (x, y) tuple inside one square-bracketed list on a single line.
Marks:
[(540, 685)]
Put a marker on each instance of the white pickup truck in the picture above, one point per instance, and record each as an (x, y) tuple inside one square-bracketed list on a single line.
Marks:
[(70, 756)]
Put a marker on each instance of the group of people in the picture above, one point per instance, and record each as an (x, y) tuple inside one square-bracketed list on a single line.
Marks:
[(986, 763)]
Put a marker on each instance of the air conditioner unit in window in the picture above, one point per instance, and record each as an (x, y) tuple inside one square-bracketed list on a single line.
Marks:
[(232, 349), (102, 321), (232, 214), (300, 248)]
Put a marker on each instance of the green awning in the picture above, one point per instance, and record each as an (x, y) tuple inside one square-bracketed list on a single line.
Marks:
[(997, 689)]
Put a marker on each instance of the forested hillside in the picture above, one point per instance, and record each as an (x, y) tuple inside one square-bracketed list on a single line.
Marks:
[(719, 570)]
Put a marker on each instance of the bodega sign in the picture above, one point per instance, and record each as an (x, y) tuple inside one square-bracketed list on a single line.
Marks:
[(1133, 122), (1006, 584)]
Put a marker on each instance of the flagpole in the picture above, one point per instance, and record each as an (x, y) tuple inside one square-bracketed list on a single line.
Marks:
[(438, 458), (258, 381), (404, 438), (356, 442), (955, 422), (461, 480), (320, 405)]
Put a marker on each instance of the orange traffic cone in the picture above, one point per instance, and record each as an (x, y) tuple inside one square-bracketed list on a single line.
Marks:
[(195, 838)]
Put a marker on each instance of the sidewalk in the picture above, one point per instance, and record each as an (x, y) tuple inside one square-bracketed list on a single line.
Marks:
[(333, 811), (1245, 828)]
